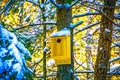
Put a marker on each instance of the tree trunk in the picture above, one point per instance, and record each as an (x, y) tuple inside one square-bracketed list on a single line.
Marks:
[(44, 43), (64, 17), (105, 38)]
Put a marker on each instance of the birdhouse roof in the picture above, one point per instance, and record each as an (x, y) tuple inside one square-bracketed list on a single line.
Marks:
[(63, 32)]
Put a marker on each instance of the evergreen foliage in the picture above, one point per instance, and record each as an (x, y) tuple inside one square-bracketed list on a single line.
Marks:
[(12, 57)]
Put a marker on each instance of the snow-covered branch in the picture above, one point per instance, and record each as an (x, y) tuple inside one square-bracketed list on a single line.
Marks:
[(87, 27), (117, 16), (74, 3), (33, 2), (88, 71), (46, 23), (37, 4), (85, 71), (116, 44), (102, 13), (114, 59), (12, 57), (114, 70), (117, 29), (75, 25), (67, 5), (48, 75), (86, 14), (7, 7), (56, 4)]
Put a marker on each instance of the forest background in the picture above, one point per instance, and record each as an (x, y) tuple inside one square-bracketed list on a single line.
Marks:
[(95, 26)]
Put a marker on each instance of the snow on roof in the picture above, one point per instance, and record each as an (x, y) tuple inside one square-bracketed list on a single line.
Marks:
[(63, 32)]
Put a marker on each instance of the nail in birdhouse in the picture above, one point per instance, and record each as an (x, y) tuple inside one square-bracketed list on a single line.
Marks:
[(61, 47)]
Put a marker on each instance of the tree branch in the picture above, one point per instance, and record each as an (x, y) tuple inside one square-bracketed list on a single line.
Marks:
[(117, 16), (74, 3), (75, 25), (114, 59), (46, 23), (93, 13), (7, 7), (33, 3), (87, 27), (86, 14), (48, 75), (56, 4), (102, 13), (88, 71), (84, 71)]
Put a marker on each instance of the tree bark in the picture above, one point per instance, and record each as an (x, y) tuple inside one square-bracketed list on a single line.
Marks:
[(44, 43), (105, 38), (64, 18)]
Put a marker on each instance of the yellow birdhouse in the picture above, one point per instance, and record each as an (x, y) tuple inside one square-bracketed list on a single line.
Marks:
[(61, 47)]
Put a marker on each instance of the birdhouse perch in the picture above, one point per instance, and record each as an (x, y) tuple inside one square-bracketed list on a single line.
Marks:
[(61, 47)]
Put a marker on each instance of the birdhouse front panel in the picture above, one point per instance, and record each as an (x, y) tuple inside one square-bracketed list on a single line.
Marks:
[(60, 49)]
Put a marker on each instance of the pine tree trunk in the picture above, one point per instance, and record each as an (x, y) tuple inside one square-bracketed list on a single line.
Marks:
[(105, 38), (64, 18)]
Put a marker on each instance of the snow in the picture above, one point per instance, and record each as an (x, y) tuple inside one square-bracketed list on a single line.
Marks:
[(6, 66), (36, 0), (42, 5), (1, 67), (18, 68), (0, 25), (21, 14), (76, 77), (10, 64), (118, 29), (51, 62), (63, 32), (23, 50), (3, 52), (12, 38), (101, 48), (117, 16), (75, 25), (89, 0), (21, 3), (114, 59), (114, 67), (97, 2), (7, 78), (27, 18), (47, 1), (71, 25), (12, 57), (14, 52), (117, 44), (45, 49), (67, 6), (107, 30), (58, 5), (71, 71)]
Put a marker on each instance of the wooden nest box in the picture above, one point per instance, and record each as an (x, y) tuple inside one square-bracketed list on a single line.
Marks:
[(61, 47)]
